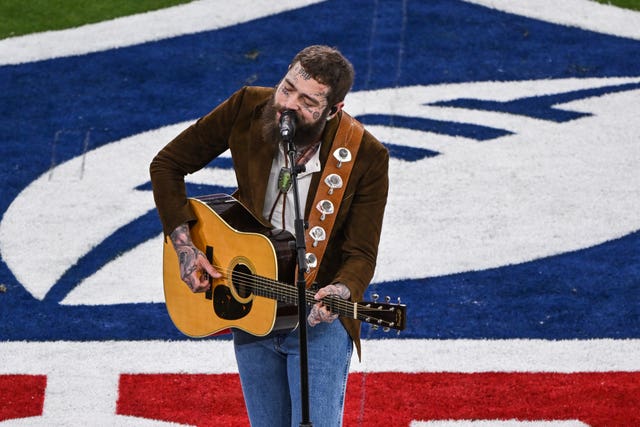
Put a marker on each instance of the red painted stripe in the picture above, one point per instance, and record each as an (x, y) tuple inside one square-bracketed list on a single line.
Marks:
[(202, 400), (21, 396), (385, 399), (598, 399)]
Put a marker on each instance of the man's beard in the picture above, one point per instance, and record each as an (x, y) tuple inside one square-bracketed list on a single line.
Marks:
[(305, 135)]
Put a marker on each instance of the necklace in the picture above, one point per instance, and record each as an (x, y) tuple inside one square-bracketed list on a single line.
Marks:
[(285, 177)]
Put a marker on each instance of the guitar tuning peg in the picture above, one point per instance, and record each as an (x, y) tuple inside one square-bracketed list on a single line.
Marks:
[(374, 327), (386, 329), (387, 299), (399, 301), (375, 297), (398, 332)]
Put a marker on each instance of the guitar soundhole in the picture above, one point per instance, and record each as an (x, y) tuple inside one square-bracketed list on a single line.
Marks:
[(243, 280), (225, 304)]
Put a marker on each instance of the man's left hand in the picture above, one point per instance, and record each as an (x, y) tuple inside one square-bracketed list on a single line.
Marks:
[(319, 312)]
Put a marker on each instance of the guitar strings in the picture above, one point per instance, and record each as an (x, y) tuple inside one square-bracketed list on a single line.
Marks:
[(259, 283)]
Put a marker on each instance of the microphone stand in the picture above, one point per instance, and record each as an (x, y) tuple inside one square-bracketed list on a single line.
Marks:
[(301, 284)]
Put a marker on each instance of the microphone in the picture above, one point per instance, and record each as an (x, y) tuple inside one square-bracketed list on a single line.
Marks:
[(287, 125)]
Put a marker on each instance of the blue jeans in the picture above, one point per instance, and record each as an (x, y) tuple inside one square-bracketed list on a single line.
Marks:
[(270, 375)]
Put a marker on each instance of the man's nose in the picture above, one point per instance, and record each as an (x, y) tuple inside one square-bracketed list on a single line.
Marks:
[(291, 104)]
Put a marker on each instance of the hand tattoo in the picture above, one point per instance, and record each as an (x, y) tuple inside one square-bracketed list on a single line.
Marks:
[(187, 254), (339, 289), (187, 258), (181, 236), (319, 312)]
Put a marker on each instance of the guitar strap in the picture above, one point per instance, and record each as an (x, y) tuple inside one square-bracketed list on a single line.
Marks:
[(330, 192)]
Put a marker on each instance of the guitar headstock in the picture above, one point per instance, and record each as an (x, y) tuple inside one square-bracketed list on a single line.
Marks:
[(385, 315)]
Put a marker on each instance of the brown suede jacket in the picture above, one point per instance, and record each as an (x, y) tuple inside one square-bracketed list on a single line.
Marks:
[(351, 253)]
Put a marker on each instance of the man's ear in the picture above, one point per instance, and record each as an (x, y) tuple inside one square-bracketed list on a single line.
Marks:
[(334, 110)]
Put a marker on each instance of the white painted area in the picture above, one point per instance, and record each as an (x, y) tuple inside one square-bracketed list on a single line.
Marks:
[(586, 14), (193, 17), (547, 189), (98, 196), (566, 356)]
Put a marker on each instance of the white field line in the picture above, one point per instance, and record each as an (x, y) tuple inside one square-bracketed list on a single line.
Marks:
[(584, 14), (194, 17), (387, 355)]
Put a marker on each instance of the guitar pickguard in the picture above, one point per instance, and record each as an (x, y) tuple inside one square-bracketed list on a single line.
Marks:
[(226, 306), (233, 301)]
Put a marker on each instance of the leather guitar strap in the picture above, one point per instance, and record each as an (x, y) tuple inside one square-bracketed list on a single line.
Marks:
[(331, 188)]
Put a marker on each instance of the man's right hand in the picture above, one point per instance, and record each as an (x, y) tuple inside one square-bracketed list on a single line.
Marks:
[(195, 269)]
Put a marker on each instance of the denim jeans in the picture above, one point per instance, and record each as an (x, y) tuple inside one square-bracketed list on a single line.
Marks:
[(270, 375)]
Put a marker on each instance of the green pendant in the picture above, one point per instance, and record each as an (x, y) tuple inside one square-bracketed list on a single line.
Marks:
[(284, 180)]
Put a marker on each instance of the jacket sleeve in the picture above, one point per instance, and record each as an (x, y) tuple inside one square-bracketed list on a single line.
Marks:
[(187, 153)]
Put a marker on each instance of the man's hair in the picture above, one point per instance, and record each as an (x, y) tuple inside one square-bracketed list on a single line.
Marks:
[(327, 66)]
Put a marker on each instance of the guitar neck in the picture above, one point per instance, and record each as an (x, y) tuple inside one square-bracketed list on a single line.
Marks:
[(383, 315), (288, 294)]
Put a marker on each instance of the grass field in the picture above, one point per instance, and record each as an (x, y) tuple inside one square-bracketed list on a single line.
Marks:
[(627, 4), (19, 17)]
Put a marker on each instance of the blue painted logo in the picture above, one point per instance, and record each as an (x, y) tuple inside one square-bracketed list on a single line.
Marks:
[(513, 204)]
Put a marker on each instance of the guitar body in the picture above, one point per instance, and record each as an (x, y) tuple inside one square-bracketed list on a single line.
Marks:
[(244, 251)]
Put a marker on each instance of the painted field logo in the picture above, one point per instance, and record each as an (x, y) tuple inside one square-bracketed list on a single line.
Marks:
[(511, 231), (440, 130)]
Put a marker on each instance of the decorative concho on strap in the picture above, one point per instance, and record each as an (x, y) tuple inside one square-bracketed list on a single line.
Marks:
[(330, 192)]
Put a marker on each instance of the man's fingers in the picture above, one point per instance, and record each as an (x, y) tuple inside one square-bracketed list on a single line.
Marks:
[(198, 282), (204, 264), (320, 313), (337, 289), (199, 279)]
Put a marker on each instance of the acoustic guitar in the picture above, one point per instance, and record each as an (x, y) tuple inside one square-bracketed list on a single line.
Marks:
[(256, 292)]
